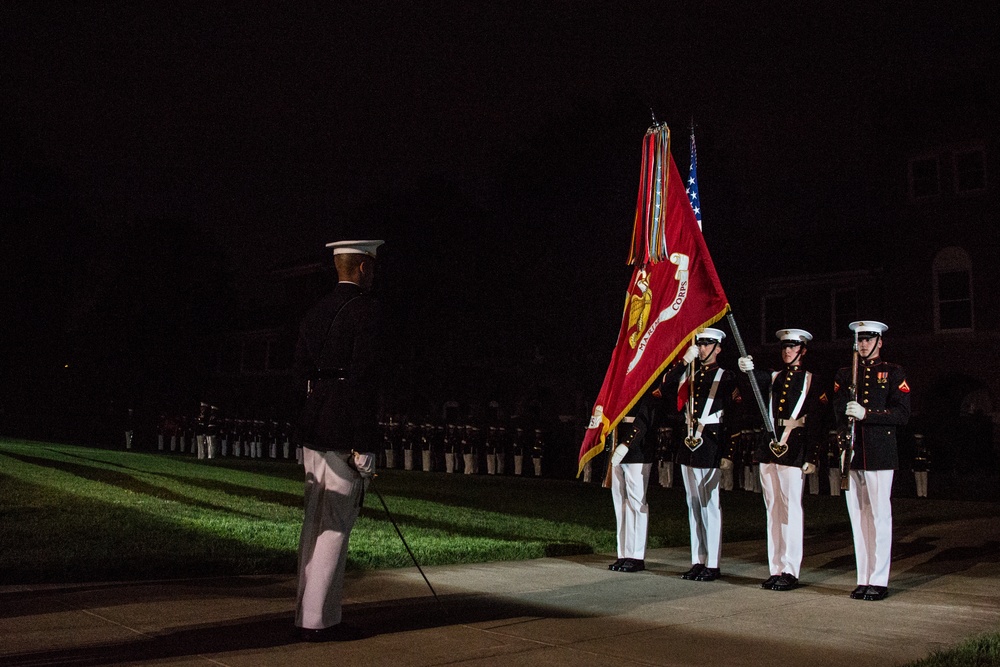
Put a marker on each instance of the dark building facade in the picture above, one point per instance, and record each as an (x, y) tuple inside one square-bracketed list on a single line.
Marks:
[(926, 264)]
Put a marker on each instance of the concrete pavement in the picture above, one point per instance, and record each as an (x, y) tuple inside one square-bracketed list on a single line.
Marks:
[(554, 611)]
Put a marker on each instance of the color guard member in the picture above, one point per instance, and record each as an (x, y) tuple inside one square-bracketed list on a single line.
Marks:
[(631, 462), (710, 398), (880, 405), (795, 400)]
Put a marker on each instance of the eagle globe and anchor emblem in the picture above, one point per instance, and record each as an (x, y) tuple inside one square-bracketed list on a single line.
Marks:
[(639, 306), (640, 303)]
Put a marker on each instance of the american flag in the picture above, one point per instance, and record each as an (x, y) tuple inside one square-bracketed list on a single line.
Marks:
[(692, 182)]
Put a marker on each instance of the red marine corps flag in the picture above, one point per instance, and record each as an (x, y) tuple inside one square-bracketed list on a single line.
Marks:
[(674, 293)]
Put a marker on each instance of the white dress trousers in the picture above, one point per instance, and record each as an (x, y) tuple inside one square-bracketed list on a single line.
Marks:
[(332, 498), (629, 482), (704, 513), (782, 487), (834, 481), (870, 508)]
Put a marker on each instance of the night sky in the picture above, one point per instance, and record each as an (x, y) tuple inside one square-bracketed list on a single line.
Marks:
[(494, 145), (278, 123)]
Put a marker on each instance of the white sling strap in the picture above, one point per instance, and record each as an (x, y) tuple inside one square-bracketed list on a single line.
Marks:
[(708, 417), (781, 447)]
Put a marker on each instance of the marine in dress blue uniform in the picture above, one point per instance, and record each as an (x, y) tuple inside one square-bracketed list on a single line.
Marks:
[(795, 399), (881, 406), (631, 463), (710, 399), (338, 353)]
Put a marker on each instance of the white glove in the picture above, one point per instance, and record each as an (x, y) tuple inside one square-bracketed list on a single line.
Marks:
[(364, 464), (745, 363), (808, 468), (855, 410), (726, 464), (691, 354), (620, 452)]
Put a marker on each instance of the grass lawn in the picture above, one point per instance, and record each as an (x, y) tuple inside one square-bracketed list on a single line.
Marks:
[(73, 514), (980, 651), (79, 514)]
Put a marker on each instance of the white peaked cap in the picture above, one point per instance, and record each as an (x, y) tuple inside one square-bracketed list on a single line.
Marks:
[(369, 248), (711, 334), (868, 327), (797, 335)]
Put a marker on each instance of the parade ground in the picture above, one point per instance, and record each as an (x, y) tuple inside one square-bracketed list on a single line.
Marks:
[(945, 588)]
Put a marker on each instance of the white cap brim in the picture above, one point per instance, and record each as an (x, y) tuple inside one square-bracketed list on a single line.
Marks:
[(711, 334), (796, 335), (368, 247), (868, 327)]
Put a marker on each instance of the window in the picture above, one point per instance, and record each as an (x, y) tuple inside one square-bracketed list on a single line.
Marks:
[(845, 311), (774, 316), (970, 171), (925, 178), (952, 291)]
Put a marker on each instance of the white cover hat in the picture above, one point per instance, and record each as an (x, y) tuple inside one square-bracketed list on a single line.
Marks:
[(870, 327), (796, 335), (710, 334), (369, 248)]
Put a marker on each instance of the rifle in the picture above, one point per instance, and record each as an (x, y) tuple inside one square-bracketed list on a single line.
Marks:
[(690, 441), (847, 437)]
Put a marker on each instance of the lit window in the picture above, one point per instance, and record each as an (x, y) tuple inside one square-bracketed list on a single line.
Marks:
[(953, 291)]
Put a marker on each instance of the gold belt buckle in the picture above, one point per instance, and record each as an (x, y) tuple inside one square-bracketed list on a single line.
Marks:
[(779, 448)]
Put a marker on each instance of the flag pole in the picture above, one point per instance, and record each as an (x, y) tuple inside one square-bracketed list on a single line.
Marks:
[(753, 380)]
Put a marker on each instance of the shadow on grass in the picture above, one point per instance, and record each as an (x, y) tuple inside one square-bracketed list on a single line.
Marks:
[(549, 547), (73, 539), (283, 498), (125, 481)]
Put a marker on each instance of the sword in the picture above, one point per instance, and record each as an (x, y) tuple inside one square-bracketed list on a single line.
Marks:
[(408, 550)]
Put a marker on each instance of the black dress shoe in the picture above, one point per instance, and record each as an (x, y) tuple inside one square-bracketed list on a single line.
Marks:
[(708, 574), (876, 593), (859, 592), (632, 565), (785, 582), (693, 572), (335, 633), (769, 582), (617, 564)]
